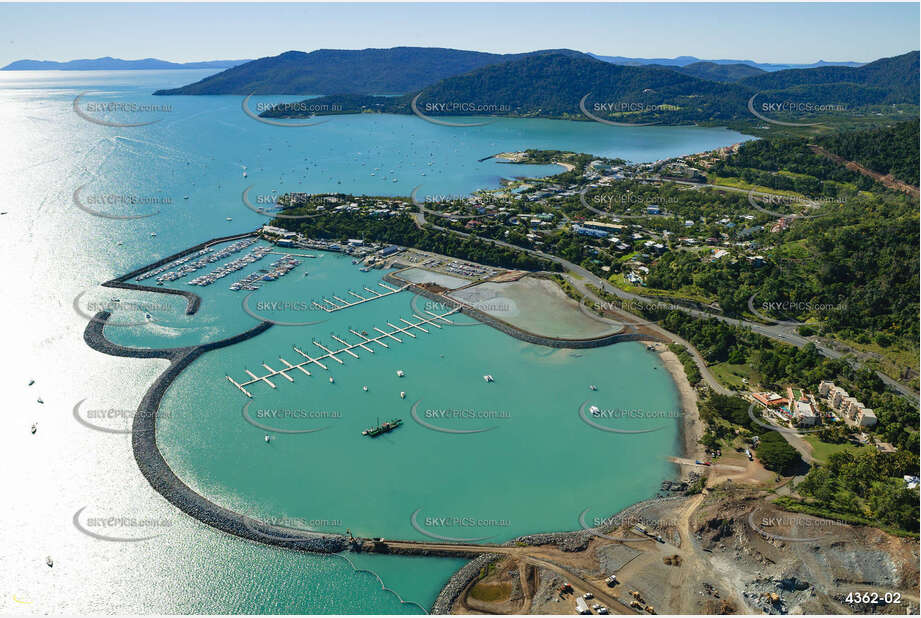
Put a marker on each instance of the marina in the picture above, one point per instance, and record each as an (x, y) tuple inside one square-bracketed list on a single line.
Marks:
[(279, 268), (346, 349), (205, 256)]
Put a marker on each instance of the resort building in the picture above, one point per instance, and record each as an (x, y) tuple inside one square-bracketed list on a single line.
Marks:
[(836, 396), (866, 418), (804, 413), (770, 400)]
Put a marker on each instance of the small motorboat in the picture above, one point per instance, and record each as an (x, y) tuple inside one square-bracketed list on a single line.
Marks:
[(268, 438), (40, 400), (31, 382), (49, 561), (402, 394), (488, 378), (34, 427), (400, 373), (331, 381), (593, 387), (364, 388)]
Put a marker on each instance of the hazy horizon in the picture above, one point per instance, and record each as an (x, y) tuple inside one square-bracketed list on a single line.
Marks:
[(214, 31)]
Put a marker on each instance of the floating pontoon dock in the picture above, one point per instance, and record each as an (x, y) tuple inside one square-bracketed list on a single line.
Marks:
[(340, 303), (347, 348)]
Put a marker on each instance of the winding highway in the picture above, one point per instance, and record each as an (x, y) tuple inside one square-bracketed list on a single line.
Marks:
[(785, 333)]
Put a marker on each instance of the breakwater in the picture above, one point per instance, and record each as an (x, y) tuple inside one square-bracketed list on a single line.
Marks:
[(519, 333), (458, 582), (153, 466), (193, 300)]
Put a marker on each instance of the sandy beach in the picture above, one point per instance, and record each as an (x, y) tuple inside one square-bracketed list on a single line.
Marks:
[(692, 428)]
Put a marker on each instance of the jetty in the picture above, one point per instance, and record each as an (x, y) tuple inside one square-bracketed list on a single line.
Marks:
[(338, 304), (365, 343)]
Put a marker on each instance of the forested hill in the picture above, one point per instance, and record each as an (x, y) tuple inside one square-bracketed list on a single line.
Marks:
[(719, 72), (896, 77), (889, 150), (555, 84), (558, 85), (346, 71)]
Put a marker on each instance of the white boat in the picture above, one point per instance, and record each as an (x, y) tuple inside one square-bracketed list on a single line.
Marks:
[(331, 380), (593, 387), (488, 378), (49, 561), (40, 400), (229, 219), (153, 233), (364, 388), (594, 410), (400, 373), (267, 438), (34, 427), (402, 394), (31, 382)]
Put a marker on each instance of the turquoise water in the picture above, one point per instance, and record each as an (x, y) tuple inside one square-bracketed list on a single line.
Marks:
[(54, 252), (334, 475)]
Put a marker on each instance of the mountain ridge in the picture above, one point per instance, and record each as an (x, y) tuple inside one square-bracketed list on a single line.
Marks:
[(108, 63), (395, 70)]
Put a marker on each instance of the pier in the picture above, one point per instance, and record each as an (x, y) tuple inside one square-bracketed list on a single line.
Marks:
[(329, 306), (348, 348)]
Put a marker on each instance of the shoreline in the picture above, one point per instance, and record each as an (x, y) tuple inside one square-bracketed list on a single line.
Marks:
[(691, 428)]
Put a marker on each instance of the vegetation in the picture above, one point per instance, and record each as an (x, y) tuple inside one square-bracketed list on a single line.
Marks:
[(852, 272), (687, 361), (345, 71), (890, 150), (402, 231), (776, 454), (868, 485), (555, 84)]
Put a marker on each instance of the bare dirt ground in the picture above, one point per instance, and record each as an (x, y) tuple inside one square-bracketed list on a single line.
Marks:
[(726, 551)]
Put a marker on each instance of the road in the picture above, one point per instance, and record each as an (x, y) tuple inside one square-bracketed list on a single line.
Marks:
[(785, 333), (524, 554)]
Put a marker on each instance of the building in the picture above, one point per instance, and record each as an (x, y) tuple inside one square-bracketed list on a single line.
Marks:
[(607, 227), (854, 407), (836, 396), (770, 400), (587, 231), (388, 250), (866, 418), (803, 412), (824, 387)]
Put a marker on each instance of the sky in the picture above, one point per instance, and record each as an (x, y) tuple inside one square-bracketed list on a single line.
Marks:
[(784, 33)]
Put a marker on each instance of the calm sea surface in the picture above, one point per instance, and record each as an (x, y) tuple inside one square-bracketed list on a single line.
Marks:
[(537, 467)]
